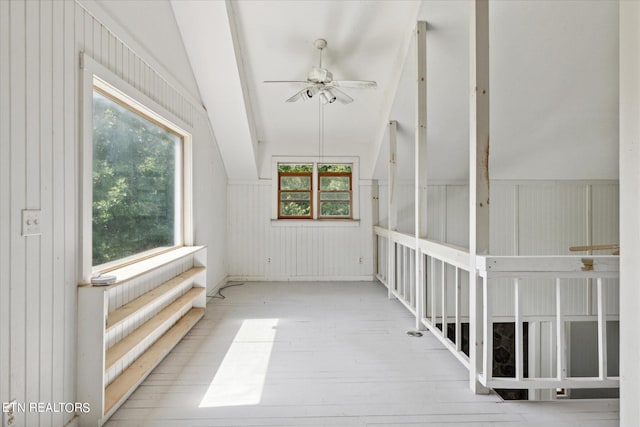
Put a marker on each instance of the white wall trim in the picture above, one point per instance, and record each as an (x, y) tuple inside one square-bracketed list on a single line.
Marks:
[(304, 223), (365, 278), (92, 70), (363, 182), (249, 182), (435, 182), (214, 290)]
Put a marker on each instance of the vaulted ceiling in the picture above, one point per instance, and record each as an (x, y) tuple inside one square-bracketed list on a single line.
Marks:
[(553, 83), (273, 40)]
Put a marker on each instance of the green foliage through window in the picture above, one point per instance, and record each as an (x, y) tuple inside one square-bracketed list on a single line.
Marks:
[(334, 168), (134, 182), (333, 192), (290, 167)]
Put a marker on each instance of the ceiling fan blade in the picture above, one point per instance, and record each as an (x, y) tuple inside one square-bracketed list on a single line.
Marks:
[(342, 97), (286, 81), (359, 84), (299, 95)]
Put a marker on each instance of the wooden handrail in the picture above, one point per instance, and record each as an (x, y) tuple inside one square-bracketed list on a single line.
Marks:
[(594, 247)]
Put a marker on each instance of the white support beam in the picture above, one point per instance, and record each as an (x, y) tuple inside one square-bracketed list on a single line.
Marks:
[(629, 211), (392, 205), (478, 175), (420, 161)]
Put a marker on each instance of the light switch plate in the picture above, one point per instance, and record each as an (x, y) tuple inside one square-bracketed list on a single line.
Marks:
[(30, 222)]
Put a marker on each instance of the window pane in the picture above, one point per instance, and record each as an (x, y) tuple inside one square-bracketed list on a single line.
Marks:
[(285, 167), (295, 196), (295, 183), (334, 168), (335, 209), (335, 195), (295, 208), (134, 181), (334, 183)]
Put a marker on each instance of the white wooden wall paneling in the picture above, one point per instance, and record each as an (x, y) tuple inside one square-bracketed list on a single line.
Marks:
[(6, 216), (46, 200), (39, 112), (33, 199), (17, 200), (58, 208), (295, 251)]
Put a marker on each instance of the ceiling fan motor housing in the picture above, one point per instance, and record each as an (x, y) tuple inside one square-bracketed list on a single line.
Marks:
[(319, 75)]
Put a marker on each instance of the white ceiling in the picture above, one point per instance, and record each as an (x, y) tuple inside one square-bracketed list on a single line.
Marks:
[(273, 40), (553, 83)]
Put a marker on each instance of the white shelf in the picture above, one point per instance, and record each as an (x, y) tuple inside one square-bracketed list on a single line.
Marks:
[(118, 348)]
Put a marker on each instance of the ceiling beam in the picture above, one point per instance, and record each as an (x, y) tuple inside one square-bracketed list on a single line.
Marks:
[(209, 34)]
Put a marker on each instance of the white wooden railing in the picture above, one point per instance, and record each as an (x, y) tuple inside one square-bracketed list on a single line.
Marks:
[(547, 293), (444, 284), (553, 279)]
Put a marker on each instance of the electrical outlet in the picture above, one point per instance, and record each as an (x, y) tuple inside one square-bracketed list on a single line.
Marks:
[(361, 260), (268, 260)]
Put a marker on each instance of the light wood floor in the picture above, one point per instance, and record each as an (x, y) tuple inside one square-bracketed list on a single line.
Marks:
[(325, 354)]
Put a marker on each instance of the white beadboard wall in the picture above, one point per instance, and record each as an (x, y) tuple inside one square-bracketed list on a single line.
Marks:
[(321, 251), (527, 218), (40, 43)]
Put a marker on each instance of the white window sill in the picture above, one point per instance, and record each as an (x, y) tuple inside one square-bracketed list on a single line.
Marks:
[(138, 268), (307, 223)]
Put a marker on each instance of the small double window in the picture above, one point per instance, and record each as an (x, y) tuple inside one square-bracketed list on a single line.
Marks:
[(332, 184)]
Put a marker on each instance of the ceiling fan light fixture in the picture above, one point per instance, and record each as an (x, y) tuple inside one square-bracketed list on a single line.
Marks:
[(310, 92), (327, 96), (320, 82)]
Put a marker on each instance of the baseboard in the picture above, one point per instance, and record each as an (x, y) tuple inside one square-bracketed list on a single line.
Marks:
[(364, 278), (218, 285)]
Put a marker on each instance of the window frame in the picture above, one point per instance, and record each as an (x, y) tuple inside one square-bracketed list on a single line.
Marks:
[(350, 192), (310, 191), (315, 161), (94, 76)]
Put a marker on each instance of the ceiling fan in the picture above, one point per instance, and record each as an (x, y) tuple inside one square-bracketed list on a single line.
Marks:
[(320, 83)]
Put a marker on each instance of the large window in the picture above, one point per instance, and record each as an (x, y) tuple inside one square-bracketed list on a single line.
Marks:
[(136, 175), (315, 191), (136, 181)]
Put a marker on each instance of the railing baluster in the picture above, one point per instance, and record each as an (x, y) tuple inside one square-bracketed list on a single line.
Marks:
[(405, 276), (458, 302), (391, 256), (444, 299), (433, 290), (487, 331), (561, 370), (421, 289), (518, 329), (602, 331), (412, 278)]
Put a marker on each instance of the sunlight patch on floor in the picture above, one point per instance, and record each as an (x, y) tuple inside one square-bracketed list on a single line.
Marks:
[(241, 375)]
